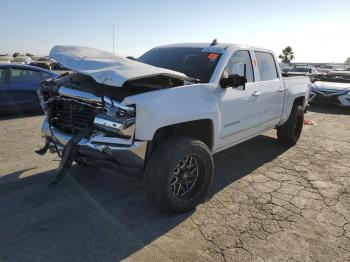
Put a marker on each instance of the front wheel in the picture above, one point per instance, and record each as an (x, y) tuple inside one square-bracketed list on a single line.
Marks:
[(289, 132), (179, 174)]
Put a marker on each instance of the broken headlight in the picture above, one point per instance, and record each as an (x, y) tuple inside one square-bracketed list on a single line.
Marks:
[(118, 120)]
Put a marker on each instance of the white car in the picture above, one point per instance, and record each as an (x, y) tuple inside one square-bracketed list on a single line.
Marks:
[(332, 88), (168, 113)]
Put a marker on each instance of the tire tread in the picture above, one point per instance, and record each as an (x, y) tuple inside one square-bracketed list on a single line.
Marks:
[(154, 175)]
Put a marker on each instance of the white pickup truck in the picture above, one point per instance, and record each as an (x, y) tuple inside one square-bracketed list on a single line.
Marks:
[(168, 112)]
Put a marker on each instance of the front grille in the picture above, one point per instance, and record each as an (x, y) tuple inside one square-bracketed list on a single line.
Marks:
[(71, 116)]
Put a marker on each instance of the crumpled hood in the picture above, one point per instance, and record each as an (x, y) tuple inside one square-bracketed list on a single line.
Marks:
[(107, 68), (331, 86)]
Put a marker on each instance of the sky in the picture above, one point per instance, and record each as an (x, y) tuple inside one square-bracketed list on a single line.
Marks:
[(318, 31)]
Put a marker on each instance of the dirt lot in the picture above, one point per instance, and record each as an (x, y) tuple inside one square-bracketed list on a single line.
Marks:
[(267, 203)]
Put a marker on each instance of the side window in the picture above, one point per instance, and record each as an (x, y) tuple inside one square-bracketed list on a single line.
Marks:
[(241, 56), (44, 75), (19, 75), (266, 65), (2, 76)]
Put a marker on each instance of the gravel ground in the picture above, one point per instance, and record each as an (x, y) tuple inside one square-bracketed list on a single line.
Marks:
[(267, 203)]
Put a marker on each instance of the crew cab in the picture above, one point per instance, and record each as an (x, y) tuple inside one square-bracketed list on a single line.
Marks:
[(167, 113)]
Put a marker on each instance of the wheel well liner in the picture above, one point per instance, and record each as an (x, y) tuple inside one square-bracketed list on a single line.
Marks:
[(199, 129), (299, 101)]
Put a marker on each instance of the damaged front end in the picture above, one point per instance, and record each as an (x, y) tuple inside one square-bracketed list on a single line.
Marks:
[(86, 121), (95, 129)]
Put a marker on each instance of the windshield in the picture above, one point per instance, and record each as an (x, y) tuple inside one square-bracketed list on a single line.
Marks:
[(338, 78), (193, 62), (301, 69)]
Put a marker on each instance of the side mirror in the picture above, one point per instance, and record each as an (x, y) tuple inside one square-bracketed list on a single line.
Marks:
[(237, 76)]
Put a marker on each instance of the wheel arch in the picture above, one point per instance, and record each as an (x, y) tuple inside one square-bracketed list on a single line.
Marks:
[(300, 101), (202, 129)]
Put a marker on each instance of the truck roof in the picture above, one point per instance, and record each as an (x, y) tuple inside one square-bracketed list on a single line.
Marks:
[(218, 45), (198, 45)]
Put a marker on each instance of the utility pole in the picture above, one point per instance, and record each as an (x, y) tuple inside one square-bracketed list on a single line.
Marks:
[(113, 38)]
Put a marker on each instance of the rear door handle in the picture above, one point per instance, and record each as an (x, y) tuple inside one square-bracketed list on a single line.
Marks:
[(256, 93), (280, 90)]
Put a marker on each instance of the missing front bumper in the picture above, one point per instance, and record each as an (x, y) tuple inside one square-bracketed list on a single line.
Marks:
[(101, 148)]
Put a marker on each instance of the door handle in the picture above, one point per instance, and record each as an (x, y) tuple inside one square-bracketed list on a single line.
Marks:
[(256, 93), (280, 90)]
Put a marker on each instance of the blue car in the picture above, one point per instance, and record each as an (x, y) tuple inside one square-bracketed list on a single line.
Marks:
[(19, 85)]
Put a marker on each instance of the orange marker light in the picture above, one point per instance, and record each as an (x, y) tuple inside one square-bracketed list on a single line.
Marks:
[(213, 56)]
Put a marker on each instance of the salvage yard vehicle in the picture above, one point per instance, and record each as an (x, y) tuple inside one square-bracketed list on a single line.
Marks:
[(42, 62), (5, 59), (22, 60), (332, 88), (19, 85), (309, 71), (167, 113)]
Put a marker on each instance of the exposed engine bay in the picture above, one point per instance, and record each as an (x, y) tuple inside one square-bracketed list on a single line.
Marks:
[(86, 83), (86, 120)]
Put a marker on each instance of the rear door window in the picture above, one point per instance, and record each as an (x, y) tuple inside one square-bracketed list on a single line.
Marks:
[(266, 66), (20, 75), (2, 76)]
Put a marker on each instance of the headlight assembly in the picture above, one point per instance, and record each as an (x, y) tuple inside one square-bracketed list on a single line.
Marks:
[(117, 120)]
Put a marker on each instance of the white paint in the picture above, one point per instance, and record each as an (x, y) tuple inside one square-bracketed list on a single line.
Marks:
[(236, 115)]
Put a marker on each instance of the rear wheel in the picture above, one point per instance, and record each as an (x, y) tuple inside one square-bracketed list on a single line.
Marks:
[(179, 174), (289, 132)]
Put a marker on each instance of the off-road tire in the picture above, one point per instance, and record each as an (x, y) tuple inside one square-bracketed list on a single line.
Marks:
[(289, 132), (159, 173)]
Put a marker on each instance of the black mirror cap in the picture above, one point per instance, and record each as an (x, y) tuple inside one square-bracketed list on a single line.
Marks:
[(225, 82), (233, 81)]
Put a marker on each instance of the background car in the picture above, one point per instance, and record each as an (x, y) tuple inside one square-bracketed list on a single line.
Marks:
[(332, 88), (42, 62), (24, 60), (305, 70), (18, 87), (287, 69), (5, 59), (334, 67)]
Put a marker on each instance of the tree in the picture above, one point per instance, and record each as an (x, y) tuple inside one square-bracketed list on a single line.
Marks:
[(347, 61), (287, 54)]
